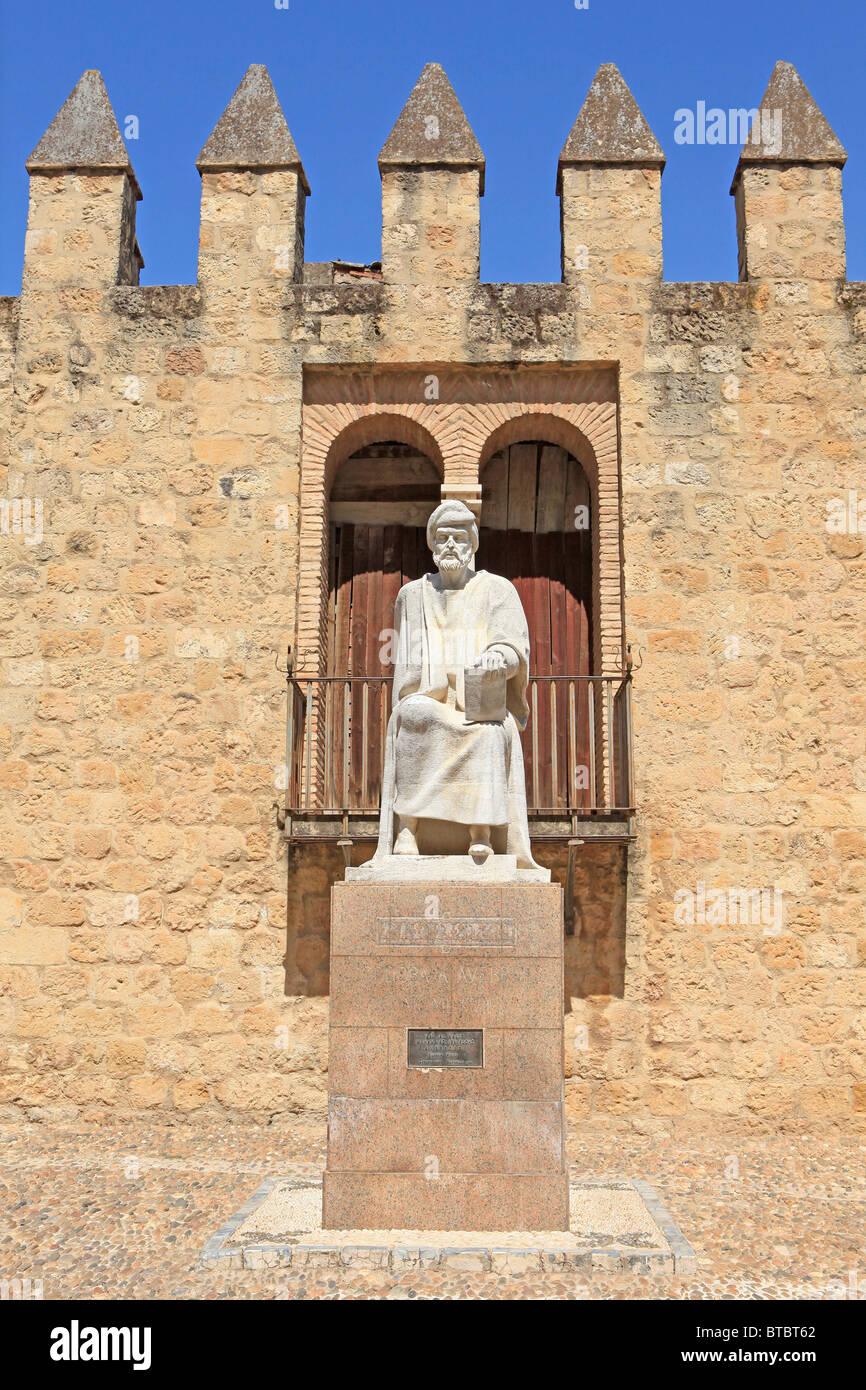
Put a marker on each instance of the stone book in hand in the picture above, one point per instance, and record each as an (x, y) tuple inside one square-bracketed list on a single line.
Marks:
[(484, 694)]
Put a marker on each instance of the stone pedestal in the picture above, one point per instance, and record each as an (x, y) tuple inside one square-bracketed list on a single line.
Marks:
[(445, 1068)]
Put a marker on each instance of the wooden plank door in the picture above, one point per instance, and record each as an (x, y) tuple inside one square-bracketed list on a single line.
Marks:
[(531, 495), (369, 565)]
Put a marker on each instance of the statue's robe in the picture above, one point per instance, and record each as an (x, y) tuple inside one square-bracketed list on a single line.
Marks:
[(438, 766)]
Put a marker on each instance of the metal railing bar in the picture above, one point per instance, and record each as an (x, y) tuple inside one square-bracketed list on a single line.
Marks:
[(308, 741), (365, 726), (572, 746), (593, 793), (630, 745), (611, 761), (534, 742), (330, 787), (347, 725), (554, 762)]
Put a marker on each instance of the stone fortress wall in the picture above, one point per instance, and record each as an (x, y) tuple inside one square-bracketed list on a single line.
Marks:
[(157, 953)]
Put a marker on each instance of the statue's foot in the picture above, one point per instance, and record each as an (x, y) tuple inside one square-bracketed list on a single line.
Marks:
[(405, 842), (480, 847)]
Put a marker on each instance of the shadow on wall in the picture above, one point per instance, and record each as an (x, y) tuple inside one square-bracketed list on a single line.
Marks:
[(312, 869), (594, 956)]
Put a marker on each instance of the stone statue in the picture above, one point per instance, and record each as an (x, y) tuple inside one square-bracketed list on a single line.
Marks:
[(453, 778)]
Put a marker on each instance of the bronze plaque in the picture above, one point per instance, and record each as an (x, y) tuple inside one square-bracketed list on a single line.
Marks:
[(445, 1047)]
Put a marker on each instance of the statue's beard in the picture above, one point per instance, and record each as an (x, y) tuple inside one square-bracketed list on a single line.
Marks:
[(451, 564)]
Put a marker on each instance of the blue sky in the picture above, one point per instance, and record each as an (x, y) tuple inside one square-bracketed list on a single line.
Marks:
[(342, 71)]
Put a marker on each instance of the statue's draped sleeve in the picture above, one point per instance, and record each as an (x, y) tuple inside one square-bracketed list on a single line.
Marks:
[(412, 661), (507, 627)]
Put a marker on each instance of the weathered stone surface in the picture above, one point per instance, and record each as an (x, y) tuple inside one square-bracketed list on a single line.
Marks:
[(84, 134), (432, 129), (610, 127), (805, 135), (252, 132)]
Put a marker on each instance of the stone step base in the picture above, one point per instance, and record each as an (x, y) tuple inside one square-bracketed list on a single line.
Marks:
[(617, 1225)]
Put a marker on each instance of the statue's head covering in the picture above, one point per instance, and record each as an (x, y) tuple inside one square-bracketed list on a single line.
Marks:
[(452, 513)]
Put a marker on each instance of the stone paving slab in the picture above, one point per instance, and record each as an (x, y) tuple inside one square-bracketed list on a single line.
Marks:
[(122, 1211), (614, 1225)]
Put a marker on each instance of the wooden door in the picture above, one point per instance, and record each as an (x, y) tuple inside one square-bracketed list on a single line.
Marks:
[(380, 502), (370, 564), (535, 513)]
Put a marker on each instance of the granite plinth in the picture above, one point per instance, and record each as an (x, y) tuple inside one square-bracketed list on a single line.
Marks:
[(460, 1201), (457, 1146)]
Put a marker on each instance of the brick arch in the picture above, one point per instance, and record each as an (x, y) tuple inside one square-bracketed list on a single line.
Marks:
[(331, 434), (380, 427), (588, 429), (546, 427)]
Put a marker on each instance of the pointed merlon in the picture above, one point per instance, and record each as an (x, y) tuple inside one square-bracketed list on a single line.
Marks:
[(252, 133), (432, 129), (610, 128), (791, 128), (84, 134)]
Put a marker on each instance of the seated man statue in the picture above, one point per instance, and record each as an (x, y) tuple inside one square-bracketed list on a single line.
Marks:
[(453, 777)]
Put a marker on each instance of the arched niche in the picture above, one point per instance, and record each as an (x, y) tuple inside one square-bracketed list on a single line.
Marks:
[(380, 499)]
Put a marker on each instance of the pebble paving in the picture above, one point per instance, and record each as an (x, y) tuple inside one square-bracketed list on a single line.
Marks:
[(120, 1211)]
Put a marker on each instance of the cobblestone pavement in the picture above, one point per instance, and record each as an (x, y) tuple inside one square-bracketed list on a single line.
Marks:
[(124, 1211)]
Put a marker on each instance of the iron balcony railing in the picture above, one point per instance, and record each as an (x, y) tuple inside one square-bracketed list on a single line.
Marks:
[(577, 747)]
